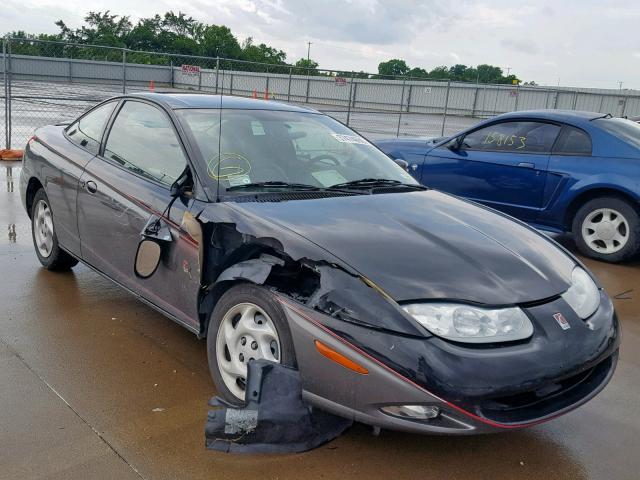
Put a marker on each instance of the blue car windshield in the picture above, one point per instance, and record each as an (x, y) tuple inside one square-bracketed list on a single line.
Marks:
[(622, 128), (248, 147)]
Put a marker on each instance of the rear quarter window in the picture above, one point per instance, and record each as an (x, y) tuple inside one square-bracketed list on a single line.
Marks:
[(572, 141), (87, 131)]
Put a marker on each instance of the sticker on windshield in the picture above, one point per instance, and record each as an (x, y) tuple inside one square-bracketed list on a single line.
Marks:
[(328, 177), (257, 128), (349, 139), (238, 180)]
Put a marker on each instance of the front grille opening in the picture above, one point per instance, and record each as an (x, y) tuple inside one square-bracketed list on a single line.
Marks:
[(546, 399)]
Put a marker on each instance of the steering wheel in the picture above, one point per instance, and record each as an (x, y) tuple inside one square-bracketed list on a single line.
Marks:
[(322, 159)]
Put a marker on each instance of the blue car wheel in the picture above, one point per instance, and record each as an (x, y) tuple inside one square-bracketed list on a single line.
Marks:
[(607, 229)]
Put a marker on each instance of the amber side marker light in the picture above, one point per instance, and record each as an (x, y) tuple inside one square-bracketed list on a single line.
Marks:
[(339, 358)]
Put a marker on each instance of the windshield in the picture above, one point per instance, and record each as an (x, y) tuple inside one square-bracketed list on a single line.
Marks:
[(622, 128), (242, 147)]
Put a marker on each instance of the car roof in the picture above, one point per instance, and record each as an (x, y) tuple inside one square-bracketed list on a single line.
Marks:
[(569, 116), (203, 100)]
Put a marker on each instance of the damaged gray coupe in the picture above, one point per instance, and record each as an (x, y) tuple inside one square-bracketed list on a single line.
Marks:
[(279, 234)]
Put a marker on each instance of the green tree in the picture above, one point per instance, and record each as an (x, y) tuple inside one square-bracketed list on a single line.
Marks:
[(304, 63), (306, 67), (417, 72), (263, 54), (489, 73), (458, 72), (218, 41), (439, 73), (393, 67)]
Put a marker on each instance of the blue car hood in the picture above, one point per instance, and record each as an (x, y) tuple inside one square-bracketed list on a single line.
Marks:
[(428, 245)]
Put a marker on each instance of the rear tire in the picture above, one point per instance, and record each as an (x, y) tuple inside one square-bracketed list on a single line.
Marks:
[(607, 229), (45, 240), (246, 324)]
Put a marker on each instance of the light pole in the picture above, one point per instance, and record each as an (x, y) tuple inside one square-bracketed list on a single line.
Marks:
[(308, 58)]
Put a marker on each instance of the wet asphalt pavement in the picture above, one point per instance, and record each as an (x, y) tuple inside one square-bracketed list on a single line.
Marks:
[(94, 384)]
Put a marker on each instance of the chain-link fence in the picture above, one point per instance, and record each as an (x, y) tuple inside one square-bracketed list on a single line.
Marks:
[(53, 82)]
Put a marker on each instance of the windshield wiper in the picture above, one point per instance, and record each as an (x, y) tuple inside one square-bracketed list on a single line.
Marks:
[(376, 182), (274, 184)]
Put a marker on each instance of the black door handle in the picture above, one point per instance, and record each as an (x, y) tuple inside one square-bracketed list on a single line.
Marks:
[(91, 186)]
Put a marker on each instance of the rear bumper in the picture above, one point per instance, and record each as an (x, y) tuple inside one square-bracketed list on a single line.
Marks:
[(330, 386)]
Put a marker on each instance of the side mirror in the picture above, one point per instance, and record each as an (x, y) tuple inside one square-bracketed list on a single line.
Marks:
[(454, 145), (182, 185), (147, 258), (403, 163)]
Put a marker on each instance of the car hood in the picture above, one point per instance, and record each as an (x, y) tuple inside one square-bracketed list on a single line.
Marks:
[(428, 245)]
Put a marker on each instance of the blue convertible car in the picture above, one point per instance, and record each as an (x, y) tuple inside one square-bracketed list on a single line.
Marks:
[(560, 171)]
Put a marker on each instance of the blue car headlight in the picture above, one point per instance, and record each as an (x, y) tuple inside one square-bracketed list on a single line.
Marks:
[(465, 323), (583, 295)]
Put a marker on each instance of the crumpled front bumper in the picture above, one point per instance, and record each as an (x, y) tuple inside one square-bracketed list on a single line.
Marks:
[(360, 397)]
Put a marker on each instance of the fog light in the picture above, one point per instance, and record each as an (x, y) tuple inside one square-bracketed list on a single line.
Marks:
[(414, 412)]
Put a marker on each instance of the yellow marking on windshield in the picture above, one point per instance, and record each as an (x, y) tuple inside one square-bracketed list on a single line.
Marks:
[(220, 171)]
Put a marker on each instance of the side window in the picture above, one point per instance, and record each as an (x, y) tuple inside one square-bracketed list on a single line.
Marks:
[(573, 141), (87, 132), (143, 140), (517, 137)]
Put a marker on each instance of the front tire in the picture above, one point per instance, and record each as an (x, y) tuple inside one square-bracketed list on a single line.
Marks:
[(45, 240), (246, 324), (607, 229)]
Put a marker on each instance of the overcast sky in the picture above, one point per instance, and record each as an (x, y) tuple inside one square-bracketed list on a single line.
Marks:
[(574, 42)]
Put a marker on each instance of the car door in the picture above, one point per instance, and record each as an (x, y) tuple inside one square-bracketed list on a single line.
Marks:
[(502, 165), (570, 159), (67, 159), (120, 190)]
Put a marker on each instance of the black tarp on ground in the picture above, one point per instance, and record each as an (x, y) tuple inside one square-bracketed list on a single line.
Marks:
[(275, 419)]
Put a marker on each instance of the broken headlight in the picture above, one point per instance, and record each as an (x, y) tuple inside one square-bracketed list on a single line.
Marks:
[(583, 295), (466, 323)]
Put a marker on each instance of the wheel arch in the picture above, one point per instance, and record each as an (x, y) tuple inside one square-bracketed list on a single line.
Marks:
[(591, 194), (33, 185), (252, 264)]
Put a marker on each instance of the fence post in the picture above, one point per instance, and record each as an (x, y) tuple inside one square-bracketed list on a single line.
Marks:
[(289, 87), (6, 92), (200, 79), (171, 67), (70, 68), (515, 109), (484, 98), (404, 83), (355, 94), (306, 100), (231, 83), (409, 97), (349, 102), (624, 105), (446, 106), (475, 100), (217, 72), (266, 85), (124, 71), (7, 95)]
